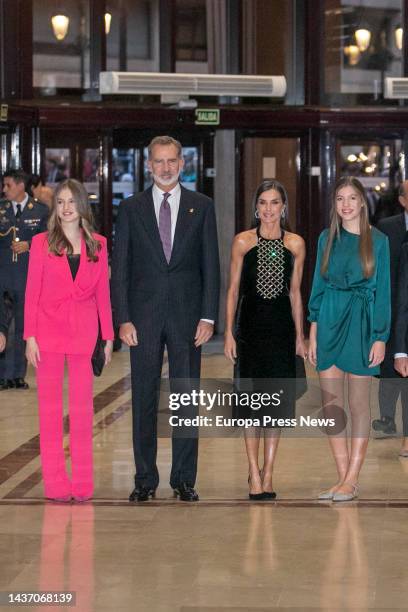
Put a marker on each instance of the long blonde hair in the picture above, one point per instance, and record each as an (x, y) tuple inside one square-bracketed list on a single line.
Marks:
[(58, 243), (365, 240)]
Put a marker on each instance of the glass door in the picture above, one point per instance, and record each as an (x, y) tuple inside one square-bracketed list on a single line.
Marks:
[(10, 147), (130, 173), (69, 155), (379, 164)]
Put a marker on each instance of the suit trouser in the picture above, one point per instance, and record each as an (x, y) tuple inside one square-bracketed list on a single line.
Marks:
[(14, 363), (146, 364), (390, 388), (50, 379)]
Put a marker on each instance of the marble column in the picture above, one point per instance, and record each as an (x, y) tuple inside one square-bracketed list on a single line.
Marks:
[(224, 197)]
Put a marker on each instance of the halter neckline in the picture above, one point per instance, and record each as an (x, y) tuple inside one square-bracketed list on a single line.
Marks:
[(258, 233)]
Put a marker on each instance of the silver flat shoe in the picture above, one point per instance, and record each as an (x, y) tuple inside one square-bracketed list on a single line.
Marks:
[(403, 453), (326, 495), (343, 497)]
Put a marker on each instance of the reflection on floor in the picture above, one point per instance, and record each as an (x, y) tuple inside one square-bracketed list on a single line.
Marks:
[(223, 553)]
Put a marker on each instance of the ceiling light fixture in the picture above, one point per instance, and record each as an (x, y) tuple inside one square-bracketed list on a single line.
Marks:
[(60, 24), (399, 35), (353, 54), (363, 37), (108, 20)]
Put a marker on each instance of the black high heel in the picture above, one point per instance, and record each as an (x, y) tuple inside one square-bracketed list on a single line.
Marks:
[(267, 494), (255, 496)]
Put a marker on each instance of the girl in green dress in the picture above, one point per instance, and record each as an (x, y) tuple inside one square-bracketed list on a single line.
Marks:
[(350, 317)]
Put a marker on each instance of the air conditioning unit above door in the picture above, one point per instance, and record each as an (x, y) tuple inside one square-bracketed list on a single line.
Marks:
[(396, 88), (159, 83)]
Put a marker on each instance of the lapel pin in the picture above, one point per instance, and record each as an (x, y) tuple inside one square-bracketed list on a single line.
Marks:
[(30, 205), (191, 210)]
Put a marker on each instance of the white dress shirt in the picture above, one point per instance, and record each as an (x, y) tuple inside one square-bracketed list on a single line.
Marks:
[(399, 355), (174, 201), (22, 203)]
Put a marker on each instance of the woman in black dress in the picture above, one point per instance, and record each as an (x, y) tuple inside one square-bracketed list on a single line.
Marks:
[(264, 323)]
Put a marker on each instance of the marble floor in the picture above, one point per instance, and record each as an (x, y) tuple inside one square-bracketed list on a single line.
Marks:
[(223, 553)]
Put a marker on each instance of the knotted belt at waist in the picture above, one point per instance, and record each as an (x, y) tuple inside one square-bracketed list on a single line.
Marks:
[(340, 328)]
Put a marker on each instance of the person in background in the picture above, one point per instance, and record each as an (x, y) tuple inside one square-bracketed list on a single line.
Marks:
[(400, 343), (350, 315), (28, 217), (39, 191), (67, 292), (56, 172), (391, 384)]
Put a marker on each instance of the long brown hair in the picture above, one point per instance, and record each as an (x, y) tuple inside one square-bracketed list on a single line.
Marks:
[(365, 240), (57, 241)]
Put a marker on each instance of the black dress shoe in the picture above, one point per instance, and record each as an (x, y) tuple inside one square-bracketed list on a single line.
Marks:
[(141, 494), (257, 496), (385, 427), (3, 384), (7, 383), (20, 383), (269, 495), (186, 493)]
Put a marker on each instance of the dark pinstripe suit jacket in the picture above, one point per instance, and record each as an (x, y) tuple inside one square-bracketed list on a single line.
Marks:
[(401, 314), (394, 228), (3, 316), (146, 289)]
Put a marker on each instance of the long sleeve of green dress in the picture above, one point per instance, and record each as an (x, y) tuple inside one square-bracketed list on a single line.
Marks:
[(319, 282), (351, 311)]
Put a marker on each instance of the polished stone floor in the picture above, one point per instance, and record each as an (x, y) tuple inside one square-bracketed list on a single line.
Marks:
[(223, 553)]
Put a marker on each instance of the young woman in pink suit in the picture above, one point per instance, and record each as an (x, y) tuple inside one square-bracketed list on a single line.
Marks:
[(67, 291)]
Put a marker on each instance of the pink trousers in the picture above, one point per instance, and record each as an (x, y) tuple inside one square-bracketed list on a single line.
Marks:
[(50, 379)]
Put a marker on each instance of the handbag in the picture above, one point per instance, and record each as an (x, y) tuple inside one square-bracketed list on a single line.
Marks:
[(98, 356)]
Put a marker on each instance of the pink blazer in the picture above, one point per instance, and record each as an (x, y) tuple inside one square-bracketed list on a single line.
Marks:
[(62, 314)]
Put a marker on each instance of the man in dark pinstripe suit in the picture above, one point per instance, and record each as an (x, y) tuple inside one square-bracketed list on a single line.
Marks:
[(165, 291), (3, 324)]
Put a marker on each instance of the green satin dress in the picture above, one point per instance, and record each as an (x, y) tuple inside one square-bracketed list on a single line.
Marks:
[(351, 311)]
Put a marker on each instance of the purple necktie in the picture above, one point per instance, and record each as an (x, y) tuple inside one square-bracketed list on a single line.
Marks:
[(165, 225)]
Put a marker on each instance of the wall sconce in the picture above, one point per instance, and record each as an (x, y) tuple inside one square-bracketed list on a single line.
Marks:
[(60, 24), (363, 37), (353, 54), (399, 34), (108, 19)]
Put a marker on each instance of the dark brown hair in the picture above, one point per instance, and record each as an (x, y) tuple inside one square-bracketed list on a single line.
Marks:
[(365, 240), (57, 241)]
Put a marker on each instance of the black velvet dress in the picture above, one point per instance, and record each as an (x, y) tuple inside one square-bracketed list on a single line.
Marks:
[(265, 330)]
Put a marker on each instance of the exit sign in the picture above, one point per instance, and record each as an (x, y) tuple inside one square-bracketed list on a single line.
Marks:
[(207, 116)]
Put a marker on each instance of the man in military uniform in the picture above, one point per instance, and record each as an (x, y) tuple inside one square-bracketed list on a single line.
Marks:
[(28, 217)]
